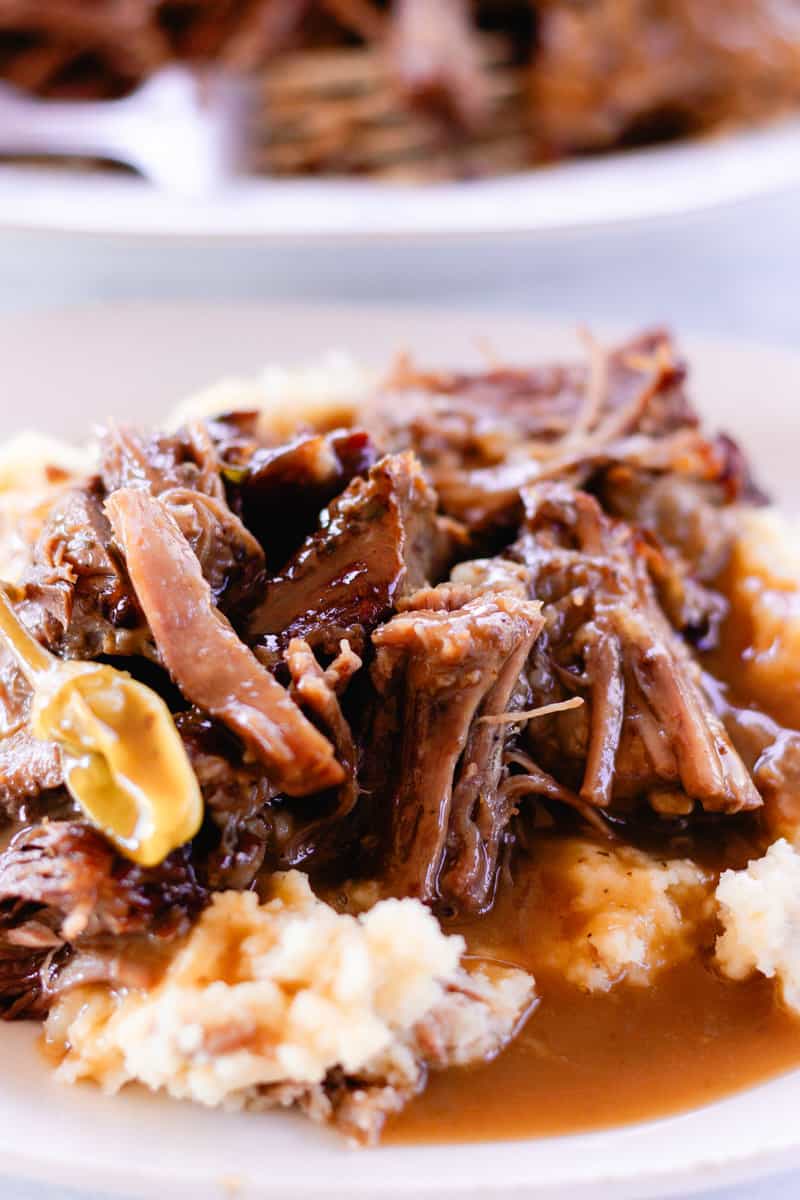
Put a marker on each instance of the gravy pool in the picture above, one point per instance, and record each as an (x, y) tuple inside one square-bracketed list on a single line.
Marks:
[(587, 1060)]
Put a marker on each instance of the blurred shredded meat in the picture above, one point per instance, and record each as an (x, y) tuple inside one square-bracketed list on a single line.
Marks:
[(630, 71), (432, 89)]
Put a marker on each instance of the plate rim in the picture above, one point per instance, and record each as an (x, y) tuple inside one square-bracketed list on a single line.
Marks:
[(650, 183)]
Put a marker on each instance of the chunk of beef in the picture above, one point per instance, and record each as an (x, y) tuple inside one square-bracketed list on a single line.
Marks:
[(63, 888), (444, 667), (609, 73), (184, 473), (242, 831), (771, 754), (231, 559), (279, 491), (28, 768), (376, 542), (211, 666), (694, 610), (480, 437), (646, 725), (621, 427), (681, 491), (249, 825), (26, 975), (160, 461), (77, 598), (70, 869), (29, 771), (776, 773)]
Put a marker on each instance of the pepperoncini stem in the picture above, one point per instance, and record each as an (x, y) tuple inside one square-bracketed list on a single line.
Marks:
[(124, 761)]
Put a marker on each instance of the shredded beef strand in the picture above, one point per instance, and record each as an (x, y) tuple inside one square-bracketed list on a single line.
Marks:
[(536, 782), (314, 690), (544, 710), (77, 598), (604, 629), (183, 470), (436, 671), (604, 669), (198, 646)]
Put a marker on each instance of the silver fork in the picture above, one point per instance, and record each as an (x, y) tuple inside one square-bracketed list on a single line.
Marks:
[(184, 129)]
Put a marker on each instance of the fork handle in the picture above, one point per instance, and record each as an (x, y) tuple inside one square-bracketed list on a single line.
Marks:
[(67, 127)]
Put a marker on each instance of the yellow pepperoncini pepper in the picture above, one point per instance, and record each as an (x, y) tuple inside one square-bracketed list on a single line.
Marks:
[(124, 761)]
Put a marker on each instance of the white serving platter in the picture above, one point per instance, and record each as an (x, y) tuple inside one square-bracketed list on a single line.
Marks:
[(661, 181)]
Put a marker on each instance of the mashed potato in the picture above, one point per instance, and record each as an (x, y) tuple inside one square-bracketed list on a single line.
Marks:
[(623, 916), (33, 469), (759, 910), (322, 396), (764, 592), (281, 993)]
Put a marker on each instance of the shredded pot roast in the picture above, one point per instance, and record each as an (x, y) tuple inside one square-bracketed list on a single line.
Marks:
[(431, 89), (388, 650)]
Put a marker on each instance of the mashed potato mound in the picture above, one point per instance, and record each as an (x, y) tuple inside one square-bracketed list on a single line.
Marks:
[(279, 995), (624, 916), (764, 591), (759, 910), (322, 396)]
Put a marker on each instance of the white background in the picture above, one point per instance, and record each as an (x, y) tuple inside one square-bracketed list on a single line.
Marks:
[(734, 273)]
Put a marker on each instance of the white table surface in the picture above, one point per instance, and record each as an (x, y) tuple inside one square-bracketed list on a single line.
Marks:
[(732, 273)]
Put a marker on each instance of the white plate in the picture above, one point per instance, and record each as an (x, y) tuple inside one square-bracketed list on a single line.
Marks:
[(619, 187), (64, 370)]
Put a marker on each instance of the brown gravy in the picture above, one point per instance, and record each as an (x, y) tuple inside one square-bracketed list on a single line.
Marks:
[(591, 1061), (587, 1062)]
